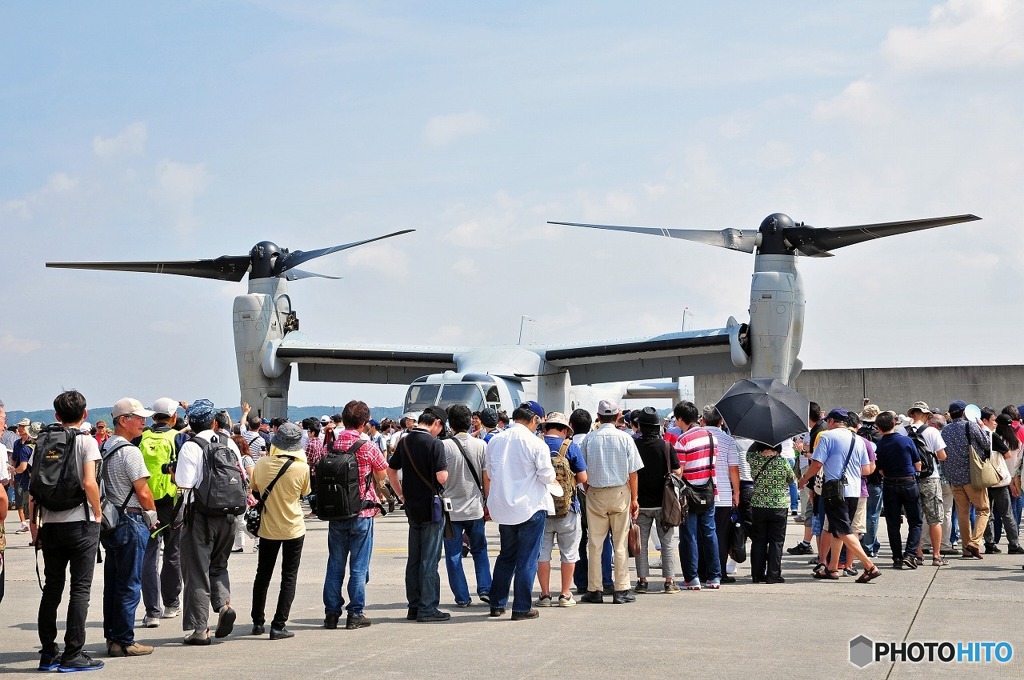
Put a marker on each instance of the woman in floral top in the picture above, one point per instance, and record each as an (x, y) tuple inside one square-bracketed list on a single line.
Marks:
[(769, 505)]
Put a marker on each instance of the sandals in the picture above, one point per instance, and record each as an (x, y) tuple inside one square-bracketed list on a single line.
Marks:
[(940, 562), (869, 575), (827, 573)]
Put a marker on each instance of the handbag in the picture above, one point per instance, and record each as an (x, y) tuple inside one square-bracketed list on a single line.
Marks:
[(984, 474), (672, 508), (111, 514), (633, 536), (254, 514), (701, 498), (833, 491)]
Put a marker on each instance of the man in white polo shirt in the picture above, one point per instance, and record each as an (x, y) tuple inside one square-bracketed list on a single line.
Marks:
[(516, 479)]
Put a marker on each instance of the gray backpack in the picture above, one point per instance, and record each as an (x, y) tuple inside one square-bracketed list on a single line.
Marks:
[(223, 489)]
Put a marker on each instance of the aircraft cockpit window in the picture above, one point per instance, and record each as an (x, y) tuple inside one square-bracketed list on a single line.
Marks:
[(492, 396), (462, 393), (420, 396)]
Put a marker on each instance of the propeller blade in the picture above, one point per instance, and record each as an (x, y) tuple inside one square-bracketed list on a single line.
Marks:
[(296, 274), (815, 241), (224, 268), (294, 259), (743, 240)]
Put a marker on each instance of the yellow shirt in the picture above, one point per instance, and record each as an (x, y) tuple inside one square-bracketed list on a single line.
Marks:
[(282, 513)]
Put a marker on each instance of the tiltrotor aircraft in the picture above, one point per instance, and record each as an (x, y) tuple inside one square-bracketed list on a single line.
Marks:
[(268, 342)]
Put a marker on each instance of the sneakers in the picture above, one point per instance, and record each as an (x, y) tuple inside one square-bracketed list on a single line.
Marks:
[(910, 562), (23, 529), (714, 584), (593, 597), (170, 613), (198, 637), (151, 621), (671, 588), (355, 621), (226, 622), (566, 601), (116, 649), (800, 549), (992, 549), (543, 601), (623, 597), (523, 616), (693, 584), (436, 617), (82, 662), (463, 605), (850, 571), (641, 587), (48, 662), (280, 633), (1015, 550), (484, 597)]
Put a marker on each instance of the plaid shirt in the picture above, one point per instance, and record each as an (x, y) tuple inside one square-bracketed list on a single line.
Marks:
[(315, 451), (369, 459)]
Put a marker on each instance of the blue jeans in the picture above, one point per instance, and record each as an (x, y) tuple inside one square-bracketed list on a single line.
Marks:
[(122, 578), (351, 541), (579, 576), (794, 497), (422, 582), (520, 550), (699, 526), (474, 529), (869, 541)]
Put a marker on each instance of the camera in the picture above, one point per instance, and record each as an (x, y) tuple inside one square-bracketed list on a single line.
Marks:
[(447, 504), (168, 468)]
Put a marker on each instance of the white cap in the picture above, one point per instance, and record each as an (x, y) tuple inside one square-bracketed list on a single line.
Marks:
[(165, 406)]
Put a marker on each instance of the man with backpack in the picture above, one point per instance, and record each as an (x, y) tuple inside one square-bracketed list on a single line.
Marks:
[(931, 449), (518, 472), (161, 577), (464, 487), (65, 493), (420, 457), (347, 498), (210, 476), (563, 525), (123, 477)]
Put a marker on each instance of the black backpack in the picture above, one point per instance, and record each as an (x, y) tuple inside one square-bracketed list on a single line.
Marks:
[(223, 490), (871, 433), (926, 456), (56, 480), (338, 494)]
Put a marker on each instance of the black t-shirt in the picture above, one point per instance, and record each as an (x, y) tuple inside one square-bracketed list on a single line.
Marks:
[(651, 477), (428, 454)]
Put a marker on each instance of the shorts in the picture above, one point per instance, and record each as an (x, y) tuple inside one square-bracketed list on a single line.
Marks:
[(20, 497), (839, 523), (860, 517), (567, 531), (931, 501)]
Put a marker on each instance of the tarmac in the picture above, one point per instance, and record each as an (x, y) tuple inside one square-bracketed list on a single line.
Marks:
[(798, 629)]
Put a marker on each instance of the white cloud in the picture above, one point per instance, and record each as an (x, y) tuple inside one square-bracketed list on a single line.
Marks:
[(58, 184), (381, 257), (862, 100), (129, 142), (16, 345), (960, 35), (443, 130), (178, 187), (465, 266)]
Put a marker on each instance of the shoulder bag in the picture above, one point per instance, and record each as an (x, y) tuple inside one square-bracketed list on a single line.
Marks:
[(673, 508), (833, 490), (984, 474), (702, 498), (254, 515), (438, 511)]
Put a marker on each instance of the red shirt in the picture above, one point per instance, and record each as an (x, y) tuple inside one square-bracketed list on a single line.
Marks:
[(369, 459), (696, 455)]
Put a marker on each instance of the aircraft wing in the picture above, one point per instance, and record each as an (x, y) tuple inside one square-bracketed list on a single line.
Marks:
[(382, 364), (670, 355)]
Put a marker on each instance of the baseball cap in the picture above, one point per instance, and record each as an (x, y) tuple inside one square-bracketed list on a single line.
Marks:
[(488, 417), (607, 407), (374, 423), (958, 405), (129, 406), (437, 412), (838, 414), (324, 420), (165, 406), (537, 409)]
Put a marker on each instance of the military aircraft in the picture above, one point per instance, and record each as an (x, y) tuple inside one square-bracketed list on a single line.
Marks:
[(268, 340)]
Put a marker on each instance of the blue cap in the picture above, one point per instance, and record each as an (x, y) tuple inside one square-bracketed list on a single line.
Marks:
[(201, 411), (374, 423), (535, 407), (958, 405), (837, 414)]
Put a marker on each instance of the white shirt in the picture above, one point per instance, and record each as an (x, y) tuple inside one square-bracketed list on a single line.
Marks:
[(933, 442), (86, 450), (519, 465), (4, 475), (189, 473)]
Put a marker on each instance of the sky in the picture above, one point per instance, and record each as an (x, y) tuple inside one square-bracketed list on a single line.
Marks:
[(192, 130)]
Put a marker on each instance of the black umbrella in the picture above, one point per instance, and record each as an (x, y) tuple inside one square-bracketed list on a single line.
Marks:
[(765, 410)]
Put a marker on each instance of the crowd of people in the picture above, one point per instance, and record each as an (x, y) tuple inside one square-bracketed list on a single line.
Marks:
[(169, 498)]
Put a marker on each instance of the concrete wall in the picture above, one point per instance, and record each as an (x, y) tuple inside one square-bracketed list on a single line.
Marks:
[(891, 388)]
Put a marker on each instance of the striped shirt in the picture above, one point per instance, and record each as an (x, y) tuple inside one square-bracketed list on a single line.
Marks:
[(697, 450)]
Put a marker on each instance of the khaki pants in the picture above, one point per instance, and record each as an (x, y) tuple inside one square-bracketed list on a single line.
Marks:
[(966, 496), (607, 508)]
